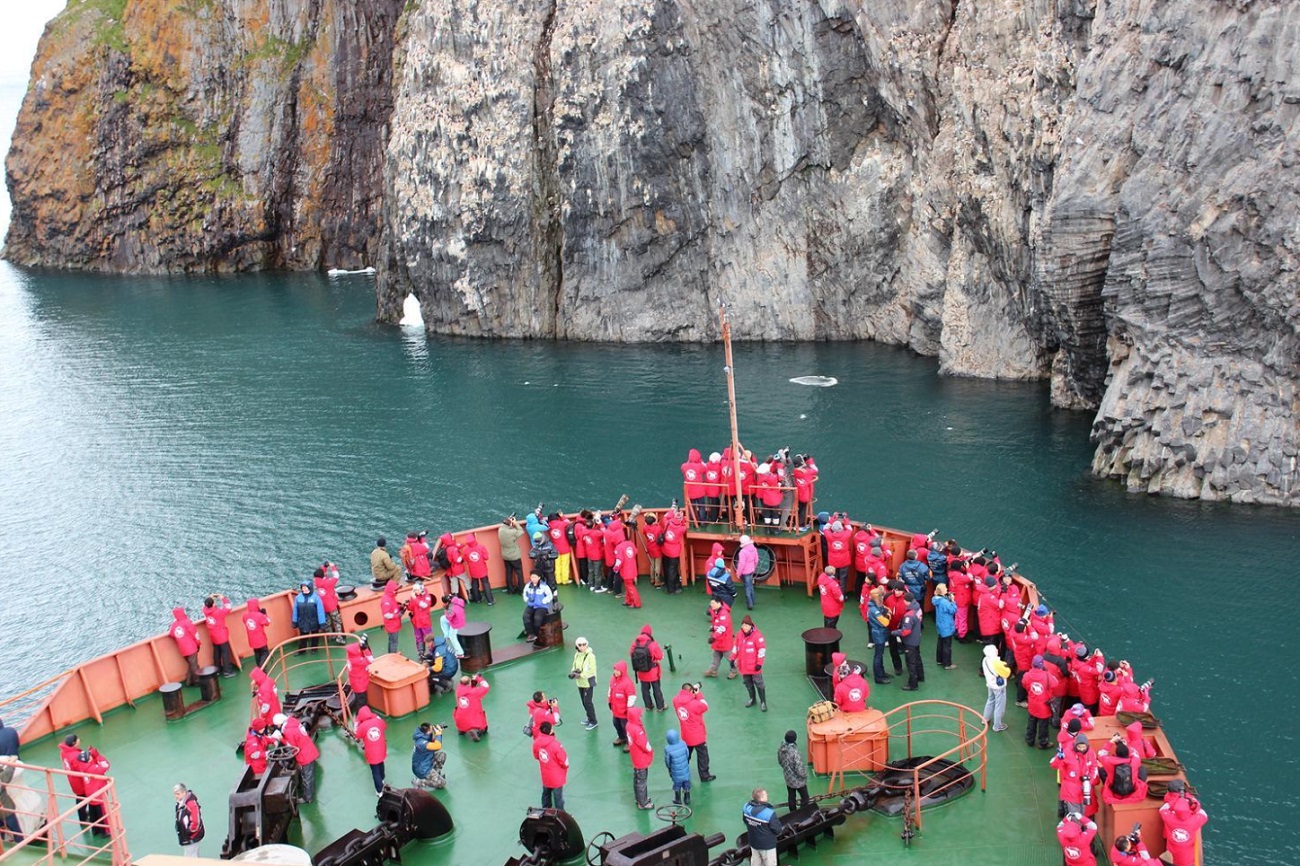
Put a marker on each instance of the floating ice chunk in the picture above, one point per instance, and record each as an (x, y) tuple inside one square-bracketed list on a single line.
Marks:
[(817, 381), (339, 272), (411, 314)]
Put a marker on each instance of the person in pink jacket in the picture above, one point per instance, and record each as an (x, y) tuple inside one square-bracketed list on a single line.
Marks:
[(186, 636), (452, 621), (638, 743)]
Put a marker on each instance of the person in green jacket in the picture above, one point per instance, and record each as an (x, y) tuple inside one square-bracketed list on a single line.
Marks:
[(584, 671)]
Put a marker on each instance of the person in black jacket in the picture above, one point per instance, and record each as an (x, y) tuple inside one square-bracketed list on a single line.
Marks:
[(189, 821), (762, 827)]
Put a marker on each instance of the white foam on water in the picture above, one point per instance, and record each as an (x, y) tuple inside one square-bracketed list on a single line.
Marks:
[(816, 381), (338, 272), (411, 313)]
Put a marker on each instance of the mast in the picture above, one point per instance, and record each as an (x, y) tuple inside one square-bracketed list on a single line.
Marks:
[(737, 511)]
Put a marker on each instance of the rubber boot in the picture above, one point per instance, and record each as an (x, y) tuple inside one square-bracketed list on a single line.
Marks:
[(687, 797), (762, 700), (677, 798), (750, 689)]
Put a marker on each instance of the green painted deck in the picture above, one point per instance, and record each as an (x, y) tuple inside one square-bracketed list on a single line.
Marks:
[(492, 782)]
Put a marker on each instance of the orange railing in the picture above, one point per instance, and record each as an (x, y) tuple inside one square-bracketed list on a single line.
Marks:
[(748, 512), (955, 723), (55, 823), (293, 666)]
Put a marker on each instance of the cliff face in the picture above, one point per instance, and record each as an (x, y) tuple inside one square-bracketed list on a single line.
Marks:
[(204, 136), (1097, 191)]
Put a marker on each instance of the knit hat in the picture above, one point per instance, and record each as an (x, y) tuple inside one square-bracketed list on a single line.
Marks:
[(837, 526), (1081, 740), (1078, 709), (745, 539), (1041, 610), (538, 536), (1074, 726), (1038, 661), (1081, 651), (748, 620), (791, 737)]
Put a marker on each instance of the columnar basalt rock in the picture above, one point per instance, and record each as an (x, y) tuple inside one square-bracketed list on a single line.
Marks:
[(1102, 192)]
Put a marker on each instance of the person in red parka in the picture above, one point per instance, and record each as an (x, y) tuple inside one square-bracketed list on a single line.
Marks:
[(266, 699), (960, 583), (371, 731), (186, 636), (1075, 834), (255, 623), (690, 707), (292, 733), (419, 607), (625, 566), (652, 532), (359, 659), (646, 655), (1086, 671), (557, 527), (553, 762), (476, 561), (750, 652), (454, 576), (390, 611), (1077, 769), (215, 610), (674, 534), (770, 495), (592, 540), (621, 695), (721, 639), (471, 721), (255, 745), (638, 745), (1039, 682), (832, 597), (693, 483), (542, 709), (852, 692), (69, 751), (1183, 820), (94, 768), (326, 579), (421, 567), (839, 550)]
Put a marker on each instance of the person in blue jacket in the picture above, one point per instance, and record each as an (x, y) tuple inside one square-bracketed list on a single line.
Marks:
[(914, 573), (535, 523), (878, 624), (945, 625), (762, 827), (308, 614), (443, 666), (938, 562), (677, 758), (428, 757)]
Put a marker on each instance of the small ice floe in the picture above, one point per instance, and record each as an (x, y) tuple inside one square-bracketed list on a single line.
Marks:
[(816, 381), (802, 417), (411, 314), (340, 272)]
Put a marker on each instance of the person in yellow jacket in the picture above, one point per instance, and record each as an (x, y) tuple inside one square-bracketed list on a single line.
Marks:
[(584, 671)]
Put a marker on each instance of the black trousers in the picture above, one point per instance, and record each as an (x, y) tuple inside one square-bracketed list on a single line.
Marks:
[(915, 670), (702, 750), (672, 573), (514, 576), (222, 658), (1036, 730), (620, 729), (647, 689), (533, 619), (585, 694), (830, 621), (260, 654), (943, 651), (895, 655), (790, 793)]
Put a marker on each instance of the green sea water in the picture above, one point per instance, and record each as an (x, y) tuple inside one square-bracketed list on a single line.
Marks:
[(163, 438)]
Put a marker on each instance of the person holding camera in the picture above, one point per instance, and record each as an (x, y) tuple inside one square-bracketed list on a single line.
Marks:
[(543, 554), (673, 535), (186, 636), (428, 757), (471, 721), (584, 672), (542, 709), (508, 535), (216, 608), (326, 579), (1075, 834), (690, 706), (1130, 850)]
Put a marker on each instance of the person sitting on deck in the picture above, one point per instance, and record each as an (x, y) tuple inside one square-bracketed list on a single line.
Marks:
[(471, 721), (537, 606)]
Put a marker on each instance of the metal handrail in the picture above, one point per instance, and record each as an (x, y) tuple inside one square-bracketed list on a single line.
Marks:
[(278, 667), (60, 809)]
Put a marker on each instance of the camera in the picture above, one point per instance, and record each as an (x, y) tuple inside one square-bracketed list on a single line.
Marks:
[(573, 675)]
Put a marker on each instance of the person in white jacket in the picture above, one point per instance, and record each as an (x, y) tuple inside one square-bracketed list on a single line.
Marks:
[(996, 673)]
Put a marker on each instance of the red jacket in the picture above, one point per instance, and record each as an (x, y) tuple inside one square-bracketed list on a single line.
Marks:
[(1133, 857), (1072, 768), (839, 546), (420, 608), (1182, 826), (359, 668), (455, 556), (552, 760), (97, 766), (1076, 843), (557, 529), (652, 532), (750, 651), (255, 623), (1022, 647), (990, 615), (469, 714), (721, 637), (266, 700), (1087, 677), (638, 744), (690, 709), (713, 479), (613, 535), (325, 588), (390, 609), (852, 693), (579, 532), (420, 565), (646, 637), (542, 712), (674, 533), (622, 691), (184, 632), (803, 483), (370, 731), (477, 556), (1039, 682), (215, 617), (693, 475), (592, 542), (255, 751), (897, 606), (625, 559), (832, 596), (1108, 697), (69, 755), (959, 584), (769, 489), (296, 736)]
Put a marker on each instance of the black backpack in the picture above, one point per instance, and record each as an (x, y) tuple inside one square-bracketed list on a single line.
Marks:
[(441, 559), (570, 533), (1122, 784), (641, 659)]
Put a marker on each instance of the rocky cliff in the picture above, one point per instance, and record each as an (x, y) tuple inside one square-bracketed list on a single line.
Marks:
[(1102, 192)]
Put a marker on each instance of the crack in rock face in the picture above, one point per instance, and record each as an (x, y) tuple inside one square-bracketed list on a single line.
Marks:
[(1098, 193)]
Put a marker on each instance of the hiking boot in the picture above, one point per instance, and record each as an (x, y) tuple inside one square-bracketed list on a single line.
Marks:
[(711, 672), (620, 742), (1022, 703), (734, 673), (886, 681), (952, 668), (708, 778), (908, 688), (750, 702), (649, 804), (473, 735), (1000, 729), (590, 726)]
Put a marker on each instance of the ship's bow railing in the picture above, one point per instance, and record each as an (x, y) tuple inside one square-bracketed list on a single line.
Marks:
[(51, 821), (941, 730)]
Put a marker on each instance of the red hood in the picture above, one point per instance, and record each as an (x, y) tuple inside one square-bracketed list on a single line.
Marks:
[(1070, 830), (837, 659), (254, 606), (179, 613), (694, 456), (1134, 732), (1181, 807), (717, 549), (354, 651), (390, 589), (364, 715), (257, 677), (471, 539), (634, 714), (446, 539), (646, 629), (620, 668)]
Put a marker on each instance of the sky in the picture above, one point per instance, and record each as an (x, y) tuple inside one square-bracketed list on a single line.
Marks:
[(21, 25)]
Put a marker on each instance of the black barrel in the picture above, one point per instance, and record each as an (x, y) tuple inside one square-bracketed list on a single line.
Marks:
[(476, 640), (209, 687), (552, 631), (173, 701), (818, 646)]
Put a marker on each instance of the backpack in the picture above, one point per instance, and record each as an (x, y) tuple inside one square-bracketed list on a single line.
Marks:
[(1122, 784), (570, 534), (641, 660), (441, 559)]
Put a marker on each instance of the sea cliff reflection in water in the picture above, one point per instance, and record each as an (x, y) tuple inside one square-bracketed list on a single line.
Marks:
[(166, 438)]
